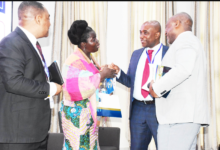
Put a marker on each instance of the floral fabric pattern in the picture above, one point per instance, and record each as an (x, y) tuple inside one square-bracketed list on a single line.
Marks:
[(78, 126)]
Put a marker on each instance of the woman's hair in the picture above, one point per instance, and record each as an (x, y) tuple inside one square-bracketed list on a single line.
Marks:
[(79, 32)]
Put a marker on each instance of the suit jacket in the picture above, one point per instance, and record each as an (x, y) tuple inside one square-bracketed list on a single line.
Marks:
[(24, 114), (129, 78), (187, 80)]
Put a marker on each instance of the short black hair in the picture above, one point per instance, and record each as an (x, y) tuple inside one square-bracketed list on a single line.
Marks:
[(79, 32), (25, 5), (155, 24)]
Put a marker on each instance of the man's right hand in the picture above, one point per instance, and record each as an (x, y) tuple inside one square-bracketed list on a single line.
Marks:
[(107, 73), (112, 66), (115, 67), (59, 89)]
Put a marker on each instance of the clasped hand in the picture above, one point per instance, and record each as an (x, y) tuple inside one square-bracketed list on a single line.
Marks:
[(109, 71)]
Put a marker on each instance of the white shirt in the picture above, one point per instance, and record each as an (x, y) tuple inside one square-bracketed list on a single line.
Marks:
[(33, 40), (140, 69)]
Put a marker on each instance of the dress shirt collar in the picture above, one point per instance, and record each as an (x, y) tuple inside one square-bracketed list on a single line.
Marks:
[(155, 48), (29, 35)]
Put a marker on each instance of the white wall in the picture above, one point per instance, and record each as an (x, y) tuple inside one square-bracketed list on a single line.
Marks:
[(188, 7), (46, 43), (5, 20), (117, 48)]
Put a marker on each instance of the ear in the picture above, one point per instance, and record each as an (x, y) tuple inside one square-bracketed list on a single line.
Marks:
[(177, 24), (157, 35), (38, 18)]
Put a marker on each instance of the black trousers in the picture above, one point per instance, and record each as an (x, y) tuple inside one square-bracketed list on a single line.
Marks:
[(25, 146)]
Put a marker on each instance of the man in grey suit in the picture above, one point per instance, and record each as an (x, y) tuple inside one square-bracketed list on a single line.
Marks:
[(185, 109), (24, 82)]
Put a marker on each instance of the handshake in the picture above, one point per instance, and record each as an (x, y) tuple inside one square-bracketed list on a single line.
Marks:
[(109, 71)]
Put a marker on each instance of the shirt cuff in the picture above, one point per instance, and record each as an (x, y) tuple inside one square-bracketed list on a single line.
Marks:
[(119, 74), (53, 88)]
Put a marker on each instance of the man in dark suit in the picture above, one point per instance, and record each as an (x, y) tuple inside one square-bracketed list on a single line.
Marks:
[(143, 121), (24, 86)]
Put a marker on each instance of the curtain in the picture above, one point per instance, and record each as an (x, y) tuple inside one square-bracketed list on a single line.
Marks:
[(142, 12), (170, 10), (206, 28), (145, 11), (215, 6), (95, 13)]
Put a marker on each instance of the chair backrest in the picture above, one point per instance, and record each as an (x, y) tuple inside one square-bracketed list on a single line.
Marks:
[(109, 136), (55, 141), (59, 118)]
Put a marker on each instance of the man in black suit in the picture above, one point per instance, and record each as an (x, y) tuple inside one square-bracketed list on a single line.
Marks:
[(24, 86)]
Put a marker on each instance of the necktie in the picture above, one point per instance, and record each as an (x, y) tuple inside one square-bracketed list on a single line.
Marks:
[(42, 57), (146, 74)]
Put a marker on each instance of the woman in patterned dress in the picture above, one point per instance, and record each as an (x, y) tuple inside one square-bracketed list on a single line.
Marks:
[(82, 78)]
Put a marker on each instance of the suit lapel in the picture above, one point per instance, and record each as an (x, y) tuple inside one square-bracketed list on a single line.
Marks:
[(165, 48), (24, 37)]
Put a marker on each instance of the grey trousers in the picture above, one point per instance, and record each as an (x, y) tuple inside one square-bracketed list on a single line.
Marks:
[(179, 136)]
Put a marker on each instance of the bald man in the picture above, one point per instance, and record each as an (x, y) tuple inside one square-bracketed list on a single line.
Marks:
[(24, 82), (142, 115), (185, 109)]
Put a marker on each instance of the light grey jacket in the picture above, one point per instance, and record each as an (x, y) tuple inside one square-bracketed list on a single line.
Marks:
[(187, 80)]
